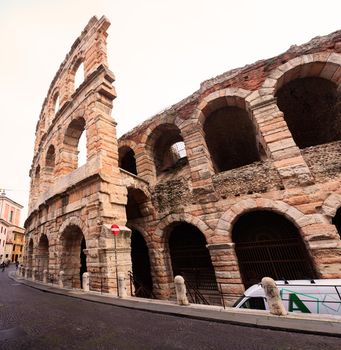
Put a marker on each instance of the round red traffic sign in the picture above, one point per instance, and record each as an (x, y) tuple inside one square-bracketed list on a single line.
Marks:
[(115, 229)]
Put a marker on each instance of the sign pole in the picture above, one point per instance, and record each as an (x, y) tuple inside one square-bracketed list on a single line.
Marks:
[(116, 265)]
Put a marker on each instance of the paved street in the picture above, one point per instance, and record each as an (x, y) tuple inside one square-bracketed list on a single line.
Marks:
[(32, 319)]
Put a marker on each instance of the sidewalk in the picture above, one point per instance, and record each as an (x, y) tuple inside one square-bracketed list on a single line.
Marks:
[(305, 323)]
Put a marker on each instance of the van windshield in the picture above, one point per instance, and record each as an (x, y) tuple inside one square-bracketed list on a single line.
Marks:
[(254, 303)]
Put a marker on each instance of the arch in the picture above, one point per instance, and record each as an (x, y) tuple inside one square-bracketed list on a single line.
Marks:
[(142, 277), (50, 159), (311, 108), (337, 221), (300, 220), (235, 97), (73, 258), (331, 204), (172, 219), (30, 257), (43, 256), (159, 147), (321, 64), (72, 221), (136, 204), (72, 138), (190, 258), (267, 244), (76, 71), (230, 134), (126, 159)]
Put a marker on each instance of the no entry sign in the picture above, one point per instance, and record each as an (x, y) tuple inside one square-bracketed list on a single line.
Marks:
[(115, 229)]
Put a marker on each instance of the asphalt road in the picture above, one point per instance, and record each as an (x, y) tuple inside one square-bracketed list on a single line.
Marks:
[(32, 319)]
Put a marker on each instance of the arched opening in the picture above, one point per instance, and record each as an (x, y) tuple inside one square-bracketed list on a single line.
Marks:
[(37, 174), (79, 74), (43, 256), (55, 104), (337, 221), (30, 258), (73, 261), (136, 204), (269, 245), (126, 159), (231, 139), (51, 157), (191, 259), (142, 278), (312, 110), (168, 148), (75, 142)]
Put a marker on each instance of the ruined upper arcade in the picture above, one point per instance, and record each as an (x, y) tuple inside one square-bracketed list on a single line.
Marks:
[(237, 181)]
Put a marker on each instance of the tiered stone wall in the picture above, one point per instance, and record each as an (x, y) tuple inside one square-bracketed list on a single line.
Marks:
[(301, 185)]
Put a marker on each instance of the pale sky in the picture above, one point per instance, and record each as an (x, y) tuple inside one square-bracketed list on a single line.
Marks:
[(159, 50)]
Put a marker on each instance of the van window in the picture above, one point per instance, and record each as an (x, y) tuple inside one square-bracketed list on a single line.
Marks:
[(254, 303)]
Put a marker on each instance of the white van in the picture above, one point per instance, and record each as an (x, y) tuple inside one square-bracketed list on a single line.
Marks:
[(308, 296)]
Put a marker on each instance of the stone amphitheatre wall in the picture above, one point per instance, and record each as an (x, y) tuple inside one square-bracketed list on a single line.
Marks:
[(264, 138)]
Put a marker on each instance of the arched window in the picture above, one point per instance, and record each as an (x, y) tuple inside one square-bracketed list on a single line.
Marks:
[(51, 157), (127, 160), (37, 173), (73, 259), (55, 103), (312, 110), (136, 204), (168, 148), (73, 142), (231, 139), (79, 75)]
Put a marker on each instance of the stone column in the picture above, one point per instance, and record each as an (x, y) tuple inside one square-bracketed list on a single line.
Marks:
[(86, 281), (280, 145), (122, 290), (45, 276), (61, 279), (34, 271), (227, 273)]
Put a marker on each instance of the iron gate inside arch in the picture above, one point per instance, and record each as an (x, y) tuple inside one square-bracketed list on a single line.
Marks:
[(268, 245), (190, 257)]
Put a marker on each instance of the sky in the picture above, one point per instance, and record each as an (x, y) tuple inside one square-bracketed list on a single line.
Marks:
[(159, 50)]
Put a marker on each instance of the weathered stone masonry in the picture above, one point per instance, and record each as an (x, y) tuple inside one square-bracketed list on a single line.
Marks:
[(250, 160)]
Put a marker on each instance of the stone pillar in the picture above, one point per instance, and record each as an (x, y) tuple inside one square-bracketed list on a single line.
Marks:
[(275, 303), (61, 279), (198, 157), (226, 269), (122, 290), (280, 145), (34, 271), (180, 289), (45, 276), (116, 257), (86, 281)]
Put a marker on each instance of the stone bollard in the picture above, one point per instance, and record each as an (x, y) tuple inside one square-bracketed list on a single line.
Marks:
[(180, 289), (86, 281), (61, 279), (45, 276), (34, 271), (122, 290), (275, 303)]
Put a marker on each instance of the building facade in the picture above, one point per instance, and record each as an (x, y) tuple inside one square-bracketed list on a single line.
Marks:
[(238, 181), (11, 234)]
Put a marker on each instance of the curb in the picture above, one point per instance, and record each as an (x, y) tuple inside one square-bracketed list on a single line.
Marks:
[(329, 325)]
